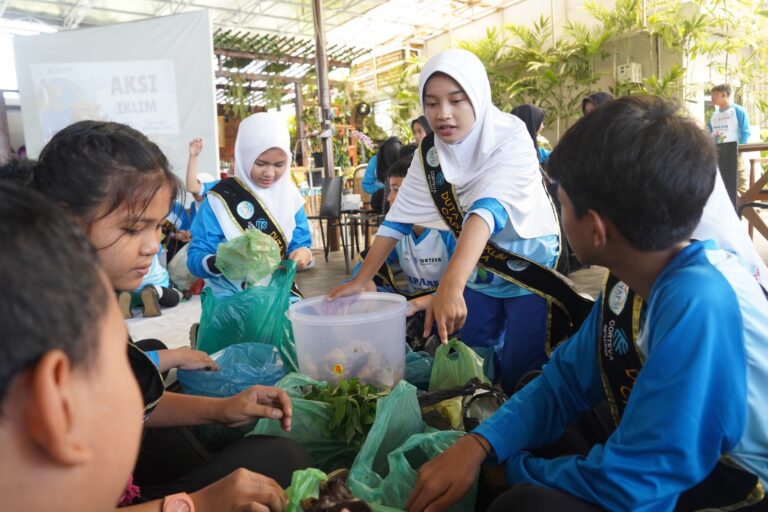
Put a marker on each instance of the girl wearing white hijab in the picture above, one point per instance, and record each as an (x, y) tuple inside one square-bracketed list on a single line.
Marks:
[(488, 157), (262, 169)]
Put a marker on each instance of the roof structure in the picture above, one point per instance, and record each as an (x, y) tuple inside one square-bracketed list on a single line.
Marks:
[(264, 47), (356, 23)]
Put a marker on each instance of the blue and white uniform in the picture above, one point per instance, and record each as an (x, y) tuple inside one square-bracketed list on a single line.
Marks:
[(495, 172), (730, 124), (700, 393), (422, 258), (207, 182), (214, 224)]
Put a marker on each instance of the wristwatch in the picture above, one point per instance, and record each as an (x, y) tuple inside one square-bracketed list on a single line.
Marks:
[(181, 502)]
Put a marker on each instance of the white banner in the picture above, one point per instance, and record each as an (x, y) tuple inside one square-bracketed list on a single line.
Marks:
[(155, 75), (139, 93)]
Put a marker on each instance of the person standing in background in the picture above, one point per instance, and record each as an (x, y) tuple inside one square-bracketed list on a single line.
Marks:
[(730, 123)]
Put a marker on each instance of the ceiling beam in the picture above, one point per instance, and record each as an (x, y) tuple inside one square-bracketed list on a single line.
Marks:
[(77, 14), (274, 58)]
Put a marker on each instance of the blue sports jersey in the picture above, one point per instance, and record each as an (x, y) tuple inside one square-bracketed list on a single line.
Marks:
[(700, 393)]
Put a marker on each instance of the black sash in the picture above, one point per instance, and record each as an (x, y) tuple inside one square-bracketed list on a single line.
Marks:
[(149, 378), (248, 212), (566, 308), (385, 277), (728, 486)]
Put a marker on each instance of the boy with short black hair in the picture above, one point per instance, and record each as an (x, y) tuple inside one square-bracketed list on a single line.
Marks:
[(730, 123), (423, 255), (684, 379), (66, 386)]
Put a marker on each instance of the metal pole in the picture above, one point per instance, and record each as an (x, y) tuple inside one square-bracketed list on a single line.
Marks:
[(323, 91), (5, 137), (300, 134)]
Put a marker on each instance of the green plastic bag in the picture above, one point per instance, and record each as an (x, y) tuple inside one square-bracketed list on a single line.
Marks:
[(310, 428), (249, 258), (399, 442), (305, 484), (254, 315), (455, 365)]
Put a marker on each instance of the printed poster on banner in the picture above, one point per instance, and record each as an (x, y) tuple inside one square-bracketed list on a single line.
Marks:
[(141, 94)]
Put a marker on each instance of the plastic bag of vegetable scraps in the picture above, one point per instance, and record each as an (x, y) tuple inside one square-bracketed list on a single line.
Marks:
[(253, 315), (455, 365), (399, 442), (249, 258), (321, 423)]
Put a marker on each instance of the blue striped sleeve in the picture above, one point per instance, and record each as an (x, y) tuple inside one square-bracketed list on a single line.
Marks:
[(743, 118), (491, 211), (396, 230), (302, 236)]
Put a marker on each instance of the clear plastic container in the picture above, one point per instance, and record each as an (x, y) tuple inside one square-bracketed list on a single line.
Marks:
[(360, 336)]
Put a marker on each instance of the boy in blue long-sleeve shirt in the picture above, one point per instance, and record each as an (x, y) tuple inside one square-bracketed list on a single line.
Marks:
[(684, 379), (730, 123)]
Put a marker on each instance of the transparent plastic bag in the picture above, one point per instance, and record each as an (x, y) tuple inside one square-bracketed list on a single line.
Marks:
[(250, 257)]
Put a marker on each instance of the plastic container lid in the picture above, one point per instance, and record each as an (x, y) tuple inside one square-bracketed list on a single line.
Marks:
[(367, 307)]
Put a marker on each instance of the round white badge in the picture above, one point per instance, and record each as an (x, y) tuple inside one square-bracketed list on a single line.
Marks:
[(432, 159), (617, 299), (245, 210)]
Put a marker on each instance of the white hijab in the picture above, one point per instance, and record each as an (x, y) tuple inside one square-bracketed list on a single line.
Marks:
[(495, 160), (720, 223), (258, 133)]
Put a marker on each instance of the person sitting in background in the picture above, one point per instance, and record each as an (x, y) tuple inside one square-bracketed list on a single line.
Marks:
[(388, 154), (422, 255), (420, 128), (260, 196), (533, 117), (154, 292), (594, 100), (66, 389)]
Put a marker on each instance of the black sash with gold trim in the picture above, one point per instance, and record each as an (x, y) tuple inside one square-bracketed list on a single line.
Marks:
[(728, 486), (567, 309), (248, 212)]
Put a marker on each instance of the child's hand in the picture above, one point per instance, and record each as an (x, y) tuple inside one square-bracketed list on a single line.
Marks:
[(188, 359), (445, 479), (352, 287), (302, 256), (241, 490), (256, 402), (447, 310), (419, 304), (195, 147), (185, 359)]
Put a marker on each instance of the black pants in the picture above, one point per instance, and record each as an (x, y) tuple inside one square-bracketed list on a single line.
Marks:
[(594, 428), (531, 498), (172, 461)]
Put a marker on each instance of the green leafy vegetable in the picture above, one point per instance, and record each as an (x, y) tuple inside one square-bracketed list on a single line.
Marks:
[(353, 406)]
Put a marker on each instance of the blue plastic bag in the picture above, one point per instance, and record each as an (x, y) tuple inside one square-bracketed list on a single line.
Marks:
[(240, 367), (418, 369)]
